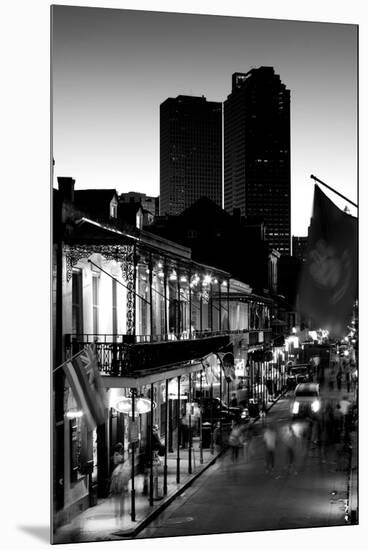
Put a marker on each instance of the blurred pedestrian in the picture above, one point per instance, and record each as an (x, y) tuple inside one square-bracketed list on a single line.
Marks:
[(217, 437), (269, 438), (338, 423), (329, 422), (347, 381), (235, 440), (263, 413), (158, 449), (339, 379), (247, 436), (345, 407), (184, 430), (233, 400), (289, 442), (119, 481)]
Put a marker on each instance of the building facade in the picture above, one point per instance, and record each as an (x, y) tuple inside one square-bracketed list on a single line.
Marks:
[(160, 325), (257, 152), (190, 152)]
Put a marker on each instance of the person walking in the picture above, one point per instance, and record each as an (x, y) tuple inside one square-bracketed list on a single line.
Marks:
[(347, 380), (289, 442), (339, 379), (184, 431), (158, 449), (233, 400), (269, 438), (263, 414), (119, 481), (345, 407), (235, 440), (247, 436)]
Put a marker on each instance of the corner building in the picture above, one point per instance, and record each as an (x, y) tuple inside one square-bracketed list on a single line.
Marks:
[(257, 152), (190, 152)]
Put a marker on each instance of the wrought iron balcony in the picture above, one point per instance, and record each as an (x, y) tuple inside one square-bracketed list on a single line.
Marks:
[(124, 355)]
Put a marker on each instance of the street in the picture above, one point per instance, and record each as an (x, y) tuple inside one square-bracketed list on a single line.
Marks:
[(241, 496)]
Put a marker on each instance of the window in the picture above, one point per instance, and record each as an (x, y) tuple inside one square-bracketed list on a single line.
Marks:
[(77, 302), (113, 209), (95, 302), (114, 307)]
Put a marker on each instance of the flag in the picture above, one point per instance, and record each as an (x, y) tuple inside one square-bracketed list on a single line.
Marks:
[(227, 361), (86, 384), (328, 283), (211, 369)]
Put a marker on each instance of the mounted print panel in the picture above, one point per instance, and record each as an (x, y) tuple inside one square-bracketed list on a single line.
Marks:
[(204, 274)]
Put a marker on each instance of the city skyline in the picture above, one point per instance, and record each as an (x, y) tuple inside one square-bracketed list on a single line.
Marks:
[(134, 60)]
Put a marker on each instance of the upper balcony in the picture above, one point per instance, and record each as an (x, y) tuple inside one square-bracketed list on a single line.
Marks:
[(124, 355)]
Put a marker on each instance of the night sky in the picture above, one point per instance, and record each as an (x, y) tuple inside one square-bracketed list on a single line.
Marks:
[(111, 69)]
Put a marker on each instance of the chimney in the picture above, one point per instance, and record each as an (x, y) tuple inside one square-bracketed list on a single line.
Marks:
[(66, 188)]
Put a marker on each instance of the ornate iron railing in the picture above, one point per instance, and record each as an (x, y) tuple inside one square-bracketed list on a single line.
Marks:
[(123, 355)]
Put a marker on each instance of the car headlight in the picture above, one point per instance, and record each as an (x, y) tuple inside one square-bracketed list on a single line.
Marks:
[(295, 407), (316, 406)]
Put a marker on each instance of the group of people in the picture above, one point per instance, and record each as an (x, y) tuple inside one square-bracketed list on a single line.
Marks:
[(121, 472), (296, 439), (342, 374)]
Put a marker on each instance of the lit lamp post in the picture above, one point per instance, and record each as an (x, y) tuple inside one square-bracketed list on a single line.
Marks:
[(166, 432), (178, 435), (200, 421), (132, 406), (190, 425)]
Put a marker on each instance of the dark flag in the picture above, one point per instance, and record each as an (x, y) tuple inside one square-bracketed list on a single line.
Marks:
[(328, 284), (87, 387)]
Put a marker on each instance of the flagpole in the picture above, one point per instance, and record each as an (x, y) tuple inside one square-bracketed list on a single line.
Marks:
[(68, 361), (333, 190)]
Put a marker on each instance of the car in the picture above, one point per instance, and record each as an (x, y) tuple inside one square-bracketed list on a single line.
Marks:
[(306, 401), (298, 374)]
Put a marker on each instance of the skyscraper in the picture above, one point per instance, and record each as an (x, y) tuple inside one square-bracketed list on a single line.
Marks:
[(190, 152), (257, 152)]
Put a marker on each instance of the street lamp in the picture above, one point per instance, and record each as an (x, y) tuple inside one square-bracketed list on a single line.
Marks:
[(141, 405)]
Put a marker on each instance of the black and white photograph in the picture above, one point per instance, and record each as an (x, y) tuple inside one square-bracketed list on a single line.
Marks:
[(183, 295), (205, 315)]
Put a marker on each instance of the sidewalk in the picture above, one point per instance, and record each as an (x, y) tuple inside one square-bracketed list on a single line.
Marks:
[(99, 523)]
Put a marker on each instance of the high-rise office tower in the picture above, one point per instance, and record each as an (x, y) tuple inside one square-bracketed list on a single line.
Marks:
[(257, 152), (190, 152)]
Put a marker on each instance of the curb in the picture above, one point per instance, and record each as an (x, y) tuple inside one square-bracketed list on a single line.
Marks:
[(172, 497)]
